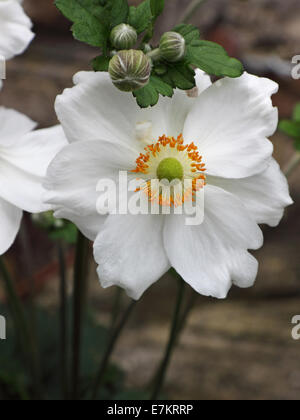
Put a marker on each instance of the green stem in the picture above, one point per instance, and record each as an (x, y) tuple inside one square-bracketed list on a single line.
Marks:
[(18, 314), (160, 377), (63, 321), (190, 10), (181, 324), (189, 306), (33, 330), (80, 279), (110, 348), (116, 307), (22, 327), (154, 55), (292, 165)]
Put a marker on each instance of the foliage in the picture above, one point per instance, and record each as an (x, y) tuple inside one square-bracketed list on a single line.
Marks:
[(15, 378), (93, 21), (292, 127), (57, 229)]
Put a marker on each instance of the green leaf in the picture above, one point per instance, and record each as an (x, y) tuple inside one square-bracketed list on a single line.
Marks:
[(213, 59), (296, 113), (208, 56), (161, 87), (85, 32), (75, 10), (119, 12), (91, 20), (176, 75), (160, 69), (167, 79), (101, 63), (147, 96), (182, 76), (189, 32), (157, 7), (291, 128), (140, 17)]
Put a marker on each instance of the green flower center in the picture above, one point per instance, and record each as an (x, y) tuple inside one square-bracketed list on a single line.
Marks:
[(170, 169)]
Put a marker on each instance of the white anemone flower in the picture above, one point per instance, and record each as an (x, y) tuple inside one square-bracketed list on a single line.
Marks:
[(226, 127), (15, 29), (24, 158)]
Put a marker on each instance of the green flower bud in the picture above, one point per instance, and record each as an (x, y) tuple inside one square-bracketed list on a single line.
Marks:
[(123, 37), (172, 47), (130, 70)]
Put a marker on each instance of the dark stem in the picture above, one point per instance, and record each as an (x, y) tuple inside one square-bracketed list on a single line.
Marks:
[(22, 326), (63, 321), (18, 314), (80, 279), (190, 10), (186, 312), (182, 323), (116, 307), (33, 330), (292, 165), (110, 348), (160, 377)]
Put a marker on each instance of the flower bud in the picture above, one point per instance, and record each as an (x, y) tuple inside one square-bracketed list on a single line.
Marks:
[(130, 70), (172, 47), (123, 37)]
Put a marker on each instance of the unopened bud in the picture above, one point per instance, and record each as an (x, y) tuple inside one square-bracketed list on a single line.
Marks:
[(172, 47), (130, 70), (123, 37)]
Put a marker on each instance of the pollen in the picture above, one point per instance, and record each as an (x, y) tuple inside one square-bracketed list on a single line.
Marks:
[(171, 160)]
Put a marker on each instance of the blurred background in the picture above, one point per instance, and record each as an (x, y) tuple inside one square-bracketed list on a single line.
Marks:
[(240, 348)]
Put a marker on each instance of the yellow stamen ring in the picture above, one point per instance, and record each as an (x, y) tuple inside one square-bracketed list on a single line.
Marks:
[(171, 159)]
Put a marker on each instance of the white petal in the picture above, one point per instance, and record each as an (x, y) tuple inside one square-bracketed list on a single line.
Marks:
[(13, 125), (20, 188), (130, 254), (34, 151), (15, 29), (244, 268), (10, 220), (24, 158), (207, 256), (169, 115), (264, 195), (94, 109), (89, 225), (75, 172), (230, 123), (203, 81)]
